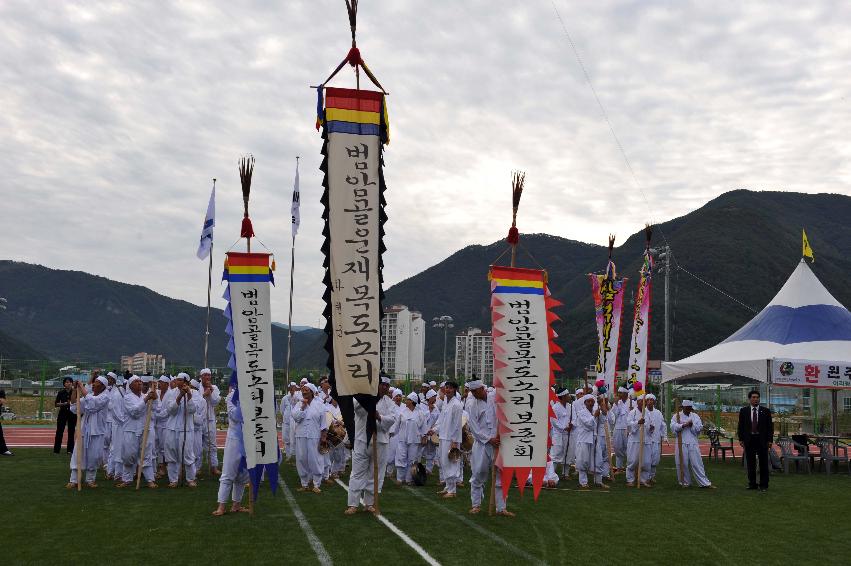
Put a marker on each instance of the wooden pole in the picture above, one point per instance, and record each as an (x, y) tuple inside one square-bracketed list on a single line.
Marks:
[(679, 440), (144, 442), (609, 451), (182, 473), (78, 434), (375, 472)]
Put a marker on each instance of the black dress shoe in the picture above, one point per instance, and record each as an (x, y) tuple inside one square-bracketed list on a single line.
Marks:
[(763, 489)]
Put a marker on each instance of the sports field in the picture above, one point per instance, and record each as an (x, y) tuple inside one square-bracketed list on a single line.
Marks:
[(801, 519)]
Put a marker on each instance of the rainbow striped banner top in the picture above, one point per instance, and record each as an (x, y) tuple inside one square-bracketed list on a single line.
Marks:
[(247, 268), (350, 111), (517, 280)]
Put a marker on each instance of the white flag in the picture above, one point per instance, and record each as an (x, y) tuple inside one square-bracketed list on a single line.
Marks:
[(296, 218), (206, 243)]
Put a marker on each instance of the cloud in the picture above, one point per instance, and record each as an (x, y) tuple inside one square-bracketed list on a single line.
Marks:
[(116, 117)]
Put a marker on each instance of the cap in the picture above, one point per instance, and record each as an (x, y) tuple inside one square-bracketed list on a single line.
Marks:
[(413, 397), (431, 394), (475, 384), (205, 370), (103, 380), (687, 403)]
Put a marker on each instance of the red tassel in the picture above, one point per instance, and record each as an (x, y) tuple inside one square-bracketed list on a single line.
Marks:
[(247, 229), (354, 57), (513, 236)]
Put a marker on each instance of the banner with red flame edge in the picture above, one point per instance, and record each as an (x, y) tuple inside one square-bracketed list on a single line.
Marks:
[(524, 371)]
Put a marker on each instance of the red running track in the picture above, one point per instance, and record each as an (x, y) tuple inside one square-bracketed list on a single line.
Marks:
[(39, 437)]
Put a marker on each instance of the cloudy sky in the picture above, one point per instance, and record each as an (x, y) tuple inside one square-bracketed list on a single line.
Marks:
[(116, 116)]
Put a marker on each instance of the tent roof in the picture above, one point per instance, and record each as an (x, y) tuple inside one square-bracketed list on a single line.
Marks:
[(803, 321)]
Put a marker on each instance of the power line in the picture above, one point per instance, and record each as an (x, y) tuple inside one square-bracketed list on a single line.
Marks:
[(626, 159)]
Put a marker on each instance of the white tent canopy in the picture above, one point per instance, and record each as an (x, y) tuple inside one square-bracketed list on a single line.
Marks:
[(803, 322)]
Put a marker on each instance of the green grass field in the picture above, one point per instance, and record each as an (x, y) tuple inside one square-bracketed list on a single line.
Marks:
[(800, 519)]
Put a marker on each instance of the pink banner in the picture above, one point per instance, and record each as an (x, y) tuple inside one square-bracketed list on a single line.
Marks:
[(608, 308), (641, 325)]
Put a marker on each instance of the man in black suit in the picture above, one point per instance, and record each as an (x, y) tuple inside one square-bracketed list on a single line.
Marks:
[(756, 431)]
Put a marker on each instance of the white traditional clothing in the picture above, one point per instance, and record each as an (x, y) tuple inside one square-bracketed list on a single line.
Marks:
[(286, 409), (482, 424), (691, 448), (586, 440), (135, 409), (430, 453), (310, 422), (209, 445), (179, 434), (93, 429), (362, 477), (114, 467), (619, 417), (656, 429), (449, 432), (559, 437), (634, 443), (233, 479), (409, 436)]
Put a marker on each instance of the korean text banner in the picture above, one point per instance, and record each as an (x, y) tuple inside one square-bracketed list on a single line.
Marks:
[(638, 350), (354, 204), (608, 309), (811, 373), (248, 277), (523, 371)]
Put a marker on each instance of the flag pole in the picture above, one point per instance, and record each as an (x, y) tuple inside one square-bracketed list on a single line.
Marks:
[(292, 272), (209, 288), (78, 442)]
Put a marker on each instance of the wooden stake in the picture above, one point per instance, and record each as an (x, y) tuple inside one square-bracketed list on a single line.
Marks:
[(679, 440), (79, 444), (144, 442), (492, 500), (375, 472), (641, 445)]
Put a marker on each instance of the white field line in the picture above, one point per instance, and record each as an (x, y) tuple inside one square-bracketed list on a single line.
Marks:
[(315, 543), (473, 525), (401, 534)]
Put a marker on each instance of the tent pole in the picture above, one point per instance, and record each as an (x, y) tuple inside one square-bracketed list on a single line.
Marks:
[(768, 382), (833, 401)]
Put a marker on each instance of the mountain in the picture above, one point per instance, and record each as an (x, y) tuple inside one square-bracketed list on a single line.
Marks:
[(71, 315), (744, 243), (296, 328), (15, 349)]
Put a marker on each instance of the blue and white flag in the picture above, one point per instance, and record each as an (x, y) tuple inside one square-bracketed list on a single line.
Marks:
[(206, 243), (296, 217)]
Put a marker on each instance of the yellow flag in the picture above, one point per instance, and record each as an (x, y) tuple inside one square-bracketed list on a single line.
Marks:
[(808, 251)]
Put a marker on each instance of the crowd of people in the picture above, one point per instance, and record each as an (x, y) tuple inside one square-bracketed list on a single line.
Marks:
[(440, 431)]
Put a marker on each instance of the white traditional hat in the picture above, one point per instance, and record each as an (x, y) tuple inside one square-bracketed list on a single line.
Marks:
[(385, 379), (183, 376), (580, 391), (112, 375), (205, 370), (413, 397), (432, 383), (650, 396), (431, 394), (132, 379), (564, 392), (687, 403), (475, 384), (147, 378), (312, 387), (164, 379), (103, 380), (623, 390)]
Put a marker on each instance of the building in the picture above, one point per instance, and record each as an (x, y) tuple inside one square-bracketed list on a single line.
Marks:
[(402, 342), (474, 355), (143, 363)]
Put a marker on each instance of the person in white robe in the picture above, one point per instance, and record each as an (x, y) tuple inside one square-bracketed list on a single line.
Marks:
[(687, 425), (198, 425), (559, 423), (430, 452), (135, 408), (587, 453), (409, 433), (449, 433), (286, 409), (618, 417), (482, 424), (234, 478), (362, 478), (93, 428), (310, 430), (657, 429), (180, 409), (634, 442), (160, 418), (114, 466), (211, 396), (393, 437)]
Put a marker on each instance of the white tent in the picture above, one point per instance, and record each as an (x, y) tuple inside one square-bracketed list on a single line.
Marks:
[(802, 322)]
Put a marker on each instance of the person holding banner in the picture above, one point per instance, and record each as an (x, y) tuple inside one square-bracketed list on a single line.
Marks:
[(586, 441), (160, 418), (634, 423), (654, 427), (93, 427), (619, 417), (180, 409), (234, 476), (482, 422), (687, 425), (135, 408), (449, 433), (310, 430), (211, 396)]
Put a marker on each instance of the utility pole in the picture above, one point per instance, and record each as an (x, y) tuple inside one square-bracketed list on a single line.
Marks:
[(664, 254)]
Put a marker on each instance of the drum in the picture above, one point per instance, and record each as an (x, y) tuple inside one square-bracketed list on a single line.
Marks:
[(466, 439), (435, 439), (336, 434)]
